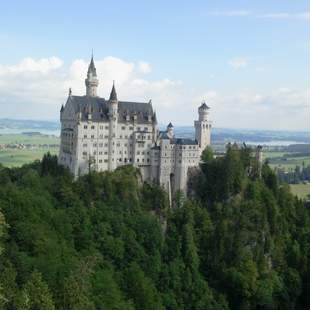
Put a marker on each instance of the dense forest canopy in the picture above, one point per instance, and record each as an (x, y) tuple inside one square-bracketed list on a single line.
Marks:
[(107, 241)]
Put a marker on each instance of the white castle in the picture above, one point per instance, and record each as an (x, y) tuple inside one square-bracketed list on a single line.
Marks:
[(99, 134)]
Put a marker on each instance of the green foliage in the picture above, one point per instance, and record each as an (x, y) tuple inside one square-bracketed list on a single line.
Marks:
[(35, 294), (107, 241)]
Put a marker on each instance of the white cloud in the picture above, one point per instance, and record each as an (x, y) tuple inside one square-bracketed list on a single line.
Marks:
[(26, 65), (276, 15), (238, 62), (282, 108), (287, 15), (305, 15), (144, 67)]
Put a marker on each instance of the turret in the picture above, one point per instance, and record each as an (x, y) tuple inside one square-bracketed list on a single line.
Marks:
[(91, 81), (203, 127), (203, 112), (113, 120), (170, 132), (113, 103)]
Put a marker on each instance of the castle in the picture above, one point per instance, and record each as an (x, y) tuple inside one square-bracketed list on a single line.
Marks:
[(104, 134)]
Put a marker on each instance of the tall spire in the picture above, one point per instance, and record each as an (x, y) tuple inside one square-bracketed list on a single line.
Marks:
[(113, 95), (91, 67), (91, 81)]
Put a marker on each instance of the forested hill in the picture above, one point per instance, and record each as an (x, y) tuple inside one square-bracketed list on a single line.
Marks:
[(107, 241)]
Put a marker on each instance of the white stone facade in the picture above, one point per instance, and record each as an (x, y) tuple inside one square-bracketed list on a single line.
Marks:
[(104, 134)]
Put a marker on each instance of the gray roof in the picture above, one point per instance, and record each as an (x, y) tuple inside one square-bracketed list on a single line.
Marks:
[(184, 141), (170, 125), (163, 135), (204, 106), (155, 147), (91, 67), (99, 109), (113, 95)]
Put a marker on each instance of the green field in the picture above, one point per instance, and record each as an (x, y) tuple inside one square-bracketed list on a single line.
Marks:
[(10, 157), (26, 139), (301, 190), (281, 160)]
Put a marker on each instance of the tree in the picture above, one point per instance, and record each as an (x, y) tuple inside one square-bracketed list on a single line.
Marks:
[(35, 294)]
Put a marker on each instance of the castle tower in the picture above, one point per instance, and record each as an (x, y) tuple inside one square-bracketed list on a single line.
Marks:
[(113, 120), (91, 82), (203, 127), (170, 132)]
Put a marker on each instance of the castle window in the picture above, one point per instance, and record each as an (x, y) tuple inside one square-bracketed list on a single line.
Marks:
[(106, 137), (84, 153), (145, 128), (118, 144), (105, 160), (106, 144), (138, 153), (125, 160), (120, 159), (105, 153), (106, 127), (95, 144), (148, 160), (123, 127), (121, 137), (130, 159), (138, 160), (100, 153), (100, 144), (101, 137), (85, 136), (126, 137), (130, 128), (100, 160), (85, 126), (139, 128), (92, 136), (85, 145), (92, 127)]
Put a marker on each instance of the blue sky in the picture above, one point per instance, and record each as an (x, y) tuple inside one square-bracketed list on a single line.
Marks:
[(249, 60)]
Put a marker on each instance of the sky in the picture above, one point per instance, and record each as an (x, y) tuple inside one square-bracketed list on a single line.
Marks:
[(249, 60)]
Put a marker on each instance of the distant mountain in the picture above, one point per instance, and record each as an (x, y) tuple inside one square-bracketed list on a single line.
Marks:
[(219, 135), (18, 126), (247, 135)]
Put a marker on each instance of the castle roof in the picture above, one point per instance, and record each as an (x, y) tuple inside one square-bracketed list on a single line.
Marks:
[(184, 141), (163, 135), (91, 67), (113, 95), (204, 106), (99, 108), (170, 125)]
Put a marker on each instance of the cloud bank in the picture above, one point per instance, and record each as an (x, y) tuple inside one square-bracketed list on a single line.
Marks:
[(36, 88)]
